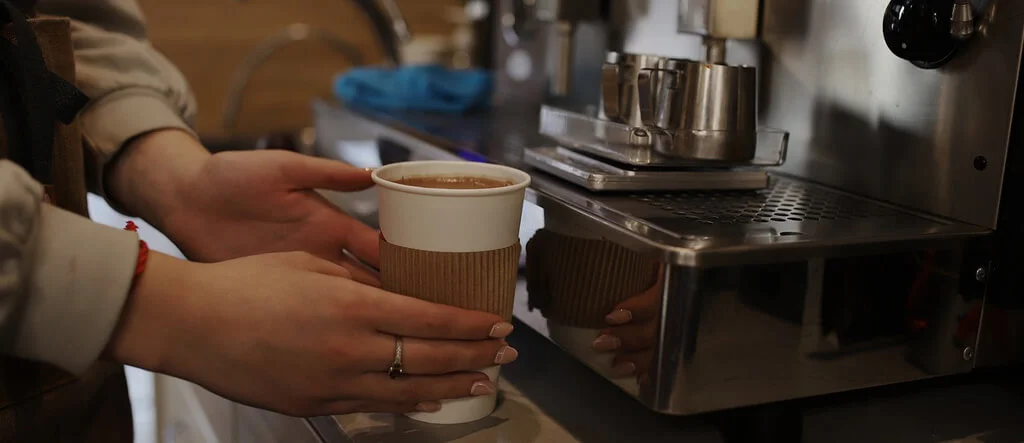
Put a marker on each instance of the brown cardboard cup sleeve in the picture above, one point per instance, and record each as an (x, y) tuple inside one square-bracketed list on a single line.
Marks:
[(577, 281), (479, 281)]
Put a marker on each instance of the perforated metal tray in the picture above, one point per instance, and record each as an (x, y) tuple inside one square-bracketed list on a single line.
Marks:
[(789, 220), (784, 202)]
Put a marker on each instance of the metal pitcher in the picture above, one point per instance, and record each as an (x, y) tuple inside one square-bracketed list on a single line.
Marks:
[(709, 110), (696, 110), (620, 101)]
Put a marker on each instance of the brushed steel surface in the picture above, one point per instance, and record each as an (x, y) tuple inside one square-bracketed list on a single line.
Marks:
[(520, 76), (736, 336), (620, 98), (599, 175), (534, 59), (677, 233), (803, 289), (864, 120), (646, 146), (712, 106), (639, 222), (768, 295), (720, 19)]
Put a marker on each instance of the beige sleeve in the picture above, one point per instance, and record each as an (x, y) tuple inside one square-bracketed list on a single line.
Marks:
[(134, 89), (63, 278)]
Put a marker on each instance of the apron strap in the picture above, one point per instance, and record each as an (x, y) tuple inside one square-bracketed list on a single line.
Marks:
[(32, 99)]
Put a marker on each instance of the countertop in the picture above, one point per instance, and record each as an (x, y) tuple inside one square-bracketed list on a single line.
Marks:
[(967, 412), (548, 396)]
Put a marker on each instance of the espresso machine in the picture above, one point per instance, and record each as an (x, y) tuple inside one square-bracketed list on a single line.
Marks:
[(802, 197)]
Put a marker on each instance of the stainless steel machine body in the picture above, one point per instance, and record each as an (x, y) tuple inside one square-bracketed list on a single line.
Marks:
[(867, 260)]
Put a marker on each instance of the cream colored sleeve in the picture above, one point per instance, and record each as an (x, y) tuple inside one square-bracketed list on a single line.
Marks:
[(134, 89), (63, 278)]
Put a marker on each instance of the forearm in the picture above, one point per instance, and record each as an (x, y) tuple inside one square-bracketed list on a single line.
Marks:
[(134, 89), (150, 177), (64, 278), (155, 320)]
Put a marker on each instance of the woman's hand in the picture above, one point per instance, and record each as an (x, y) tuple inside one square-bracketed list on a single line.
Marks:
[(292, 333), (632, 332), (233, 204)]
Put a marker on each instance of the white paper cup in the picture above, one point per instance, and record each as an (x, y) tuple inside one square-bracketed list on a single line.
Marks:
[(452, 220)]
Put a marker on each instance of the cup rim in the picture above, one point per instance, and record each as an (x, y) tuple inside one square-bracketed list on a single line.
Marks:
[(522, 179)]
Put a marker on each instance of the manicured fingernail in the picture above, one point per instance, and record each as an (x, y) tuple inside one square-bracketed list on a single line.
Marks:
[(619, 317), (428, 406), (369, 169), (606, 343), (623, 369), (501, 330), (506, 354), (482, 387)]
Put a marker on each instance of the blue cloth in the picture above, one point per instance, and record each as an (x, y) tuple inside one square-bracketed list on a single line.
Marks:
[(421, 88)]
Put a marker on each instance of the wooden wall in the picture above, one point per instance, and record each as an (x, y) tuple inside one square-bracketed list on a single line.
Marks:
[(209, 39)]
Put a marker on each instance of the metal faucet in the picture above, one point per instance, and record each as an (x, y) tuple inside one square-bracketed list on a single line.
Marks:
[(293, 33), (389, 25), (387, 22)]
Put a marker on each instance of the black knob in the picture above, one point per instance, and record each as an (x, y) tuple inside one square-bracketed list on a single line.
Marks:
[(919, 31)]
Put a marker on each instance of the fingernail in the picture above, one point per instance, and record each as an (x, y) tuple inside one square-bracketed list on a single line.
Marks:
[(501, 330), (619, 317), (606, 343), (482, 387), (623, 369), (506, 354), (428, 406), (369, 169)]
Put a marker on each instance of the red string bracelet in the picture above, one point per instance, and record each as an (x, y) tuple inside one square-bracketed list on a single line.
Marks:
[(140, 265)]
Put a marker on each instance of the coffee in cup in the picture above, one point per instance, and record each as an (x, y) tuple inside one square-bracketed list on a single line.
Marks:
[(454, 182)]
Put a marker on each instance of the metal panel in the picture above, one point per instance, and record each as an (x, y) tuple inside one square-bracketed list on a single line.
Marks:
[(866, 121), (791, 291), (832, 223), (719, 18)]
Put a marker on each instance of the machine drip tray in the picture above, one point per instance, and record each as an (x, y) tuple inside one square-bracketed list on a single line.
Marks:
[(790, 219), (600, 175)]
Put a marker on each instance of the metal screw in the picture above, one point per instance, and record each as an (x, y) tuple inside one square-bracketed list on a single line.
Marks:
[(968, 353), (980, 163), (981, 274)]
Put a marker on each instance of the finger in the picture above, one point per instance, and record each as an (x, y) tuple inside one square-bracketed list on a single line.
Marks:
[(308, 172), (409, 317), (633, 363), (434, 357), (377, 386), (640, 307), (631, 337), (446, 356), (355, 237), (348, 406), (363, 242), (313, 263), (359, 272)]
